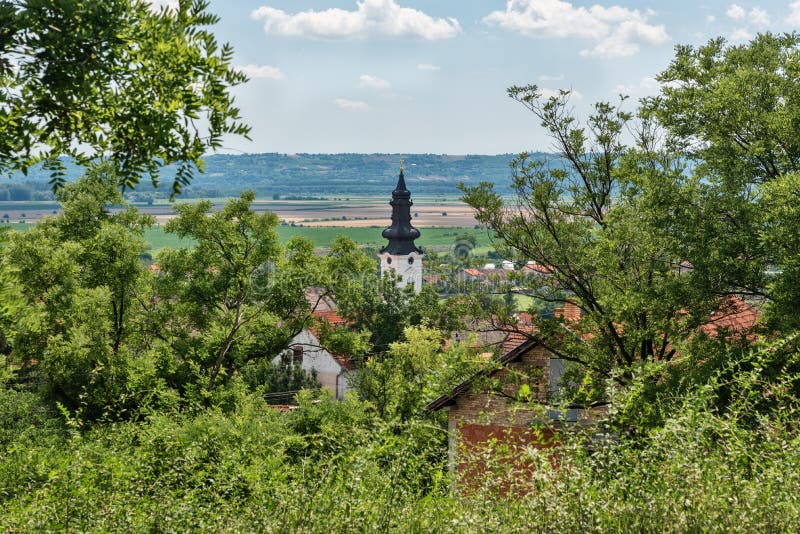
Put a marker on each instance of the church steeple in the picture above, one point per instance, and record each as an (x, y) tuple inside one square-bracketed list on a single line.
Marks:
[(401, 256), (401, 234)]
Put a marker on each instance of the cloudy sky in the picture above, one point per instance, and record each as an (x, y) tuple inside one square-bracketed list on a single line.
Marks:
[(430, 75)]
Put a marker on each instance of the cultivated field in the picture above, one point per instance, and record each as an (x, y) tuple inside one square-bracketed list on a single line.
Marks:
[(436, 239), (351, 212)]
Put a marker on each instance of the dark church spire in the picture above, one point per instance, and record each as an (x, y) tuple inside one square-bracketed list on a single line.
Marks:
[(401, 234)]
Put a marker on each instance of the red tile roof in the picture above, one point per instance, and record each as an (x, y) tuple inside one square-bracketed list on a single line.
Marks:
[(537, 268), (734, 316)]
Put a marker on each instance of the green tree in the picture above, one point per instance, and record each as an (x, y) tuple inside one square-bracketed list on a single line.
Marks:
[(745, 148), (413, 372), (599, 221), (237, 294), (113, 80), (77, 275), (377, 305)]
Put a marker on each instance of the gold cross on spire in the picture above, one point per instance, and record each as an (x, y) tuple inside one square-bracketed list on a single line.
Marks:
[(401, 164)]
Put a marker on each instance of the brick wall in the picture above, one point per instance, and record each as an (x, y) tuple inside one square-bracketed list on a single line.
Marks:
[(481, 420)]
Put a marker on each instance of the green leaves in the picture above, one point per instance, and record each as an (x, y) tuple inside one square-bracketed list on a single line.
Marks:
[(113, 81)]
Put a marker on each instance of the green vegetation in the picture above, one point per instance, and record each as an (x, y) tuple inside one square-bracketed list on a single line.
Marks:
[(335, 466), (92, 80), (321, 236), (315, 176), (133, 399)]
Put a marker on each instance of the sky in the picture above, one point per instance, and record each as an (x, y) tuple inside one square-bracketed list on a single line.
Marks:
[(430, 76)]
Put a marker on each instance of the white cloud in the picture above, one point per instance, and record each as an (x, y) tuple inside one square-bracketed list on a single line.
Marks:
[(756, 16), (373, 82), (736, 12), (710, 18), (428, 66), (759, 17), (616, 31), (351, 105), (157, 5), (261, 71), (794, 13), (371, 18), (554, 77), (740, 35), (644, 87), (550, 93)]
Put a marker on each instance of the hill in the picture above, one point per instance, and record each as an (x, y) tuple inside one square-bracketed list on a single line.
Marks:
[(294, 176)]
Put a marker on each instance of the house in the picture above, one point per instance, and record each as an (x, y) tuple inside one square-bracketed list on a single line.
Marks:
[(485, 408), (334, 372)]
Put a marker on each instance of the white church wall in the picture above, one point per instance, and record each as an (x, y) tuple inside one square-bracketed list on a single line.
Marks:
[(409, 273)]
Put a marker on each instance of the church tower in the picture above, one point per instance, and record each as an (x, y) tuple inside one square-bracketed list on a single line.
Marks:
[(401, 255)]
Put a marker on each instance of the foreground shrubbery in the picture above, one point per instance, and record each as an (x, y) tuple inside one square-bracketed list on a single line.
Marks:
[(332, 466)]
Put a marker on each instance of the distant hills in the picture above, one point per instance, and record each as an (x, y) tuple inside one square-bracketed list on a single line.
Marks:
[(305, 175)]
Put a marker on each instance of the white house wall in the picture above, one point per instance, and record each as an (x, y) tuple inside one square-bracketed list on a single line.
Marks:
[(330, 374)]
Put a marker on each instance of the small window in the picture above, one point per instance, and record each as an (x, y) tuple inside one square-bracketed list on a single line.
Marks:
[(389, 259), (297, 355), (410, 260)]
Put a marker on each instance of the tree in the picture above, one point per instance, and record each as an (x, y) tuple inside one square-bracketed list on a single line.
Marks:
[(237, 295), (415, 371), (75, 277), (746, 152), (113, 81), (599, 220), (377, 305)]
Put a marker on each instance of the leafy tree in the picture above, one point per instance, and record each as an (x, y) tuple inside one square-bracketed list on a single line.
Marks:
[(237, 294), (76, 276), (113, 80), (377, 305), (285, 375), (414, 371), (745, 149), (600, 223)]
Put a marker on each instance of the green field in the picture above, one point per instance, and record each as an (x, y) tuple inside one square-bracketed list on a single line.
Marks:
[(323, 237)]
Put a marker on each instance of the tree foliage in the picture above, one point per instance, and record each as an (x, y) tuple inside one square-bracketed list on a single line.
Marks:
[(116, 81), (237, 294), (599, 225), (746, 152)]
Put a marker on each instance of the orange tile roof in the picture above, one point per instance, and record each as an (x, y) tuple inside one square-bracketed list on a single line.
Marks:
[(734, 316), (537, 268)]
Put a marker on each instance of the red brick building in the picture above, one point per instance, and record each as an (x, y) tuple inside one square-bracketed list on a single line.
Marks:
[(509, 403)]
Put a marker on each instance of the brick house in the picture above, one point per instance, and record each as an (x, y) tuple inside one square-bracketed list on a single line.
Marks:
[(485, 408)]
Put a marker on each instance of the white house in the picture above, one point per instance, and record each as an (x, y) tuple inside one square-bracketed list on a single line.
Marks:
[(334, 372)]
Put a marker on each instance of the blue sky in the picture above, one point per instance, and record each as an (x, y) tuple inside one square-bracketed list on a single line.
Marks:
[(430, 75)]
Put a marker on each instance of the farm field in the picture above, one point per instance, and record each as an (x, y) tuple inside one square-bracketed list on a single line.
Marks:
[(323, 237), (344, 211)]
